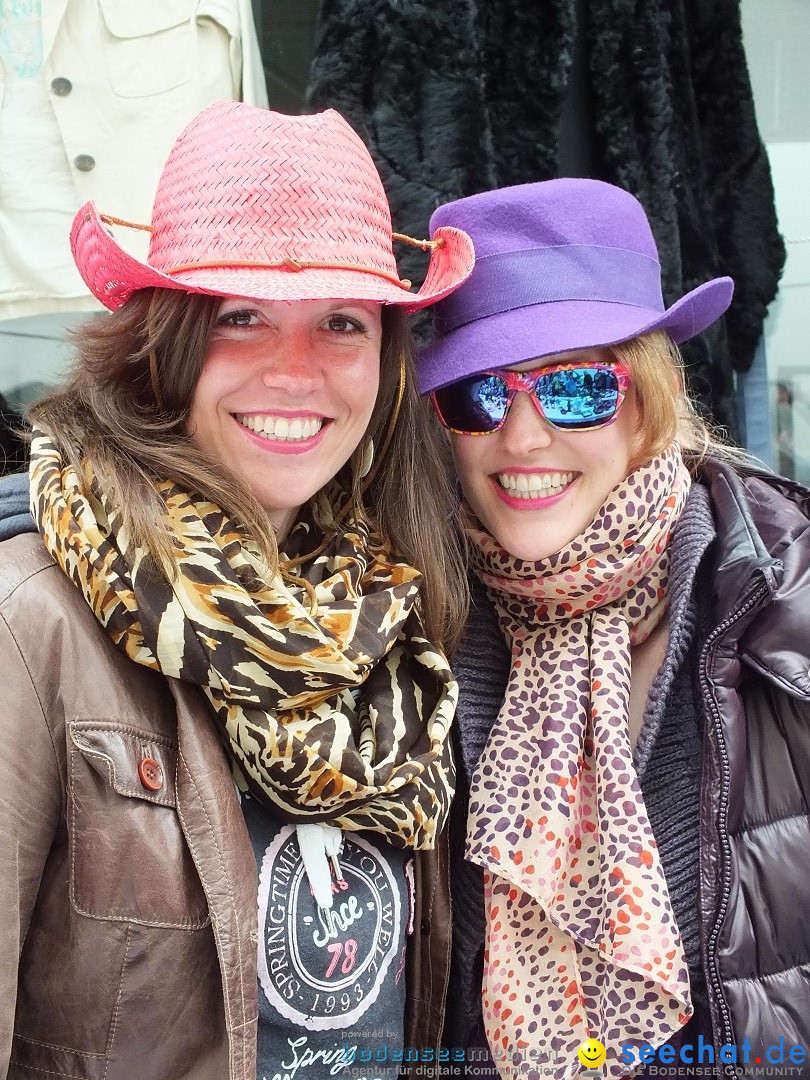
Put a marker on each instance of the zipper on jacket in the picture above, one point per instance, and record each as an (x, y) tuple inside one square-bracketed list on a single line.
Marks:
[(758, 593), (446, 984)]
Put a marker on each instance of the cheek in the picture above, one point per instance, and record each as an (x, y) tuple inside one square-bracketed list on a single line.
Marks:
[(629, 425), (205, 417), (367, 391), (196, 413), (611, 455), (469, 455), (358, 386), (203, 407), (603, 469)]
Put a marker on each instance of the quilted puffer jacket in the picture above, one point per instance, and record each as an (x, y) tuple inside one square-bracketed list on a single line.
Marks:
[(755, 825)]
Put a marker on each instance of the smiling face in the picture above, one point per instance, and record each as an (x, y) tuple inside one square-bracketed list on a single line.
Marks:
[(535, 488), (286, 394), (591, 1053)]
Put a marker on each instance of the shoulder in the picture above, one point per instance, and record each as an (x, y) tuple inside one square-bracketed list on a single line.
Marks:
[(32, 586), (763, 553), (779, 506), (773, 510), (64, 654), (21, 557)]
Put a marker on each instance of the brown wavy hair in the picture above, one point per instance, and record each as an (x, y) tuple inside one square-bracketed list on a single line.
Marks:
[(130, 426)]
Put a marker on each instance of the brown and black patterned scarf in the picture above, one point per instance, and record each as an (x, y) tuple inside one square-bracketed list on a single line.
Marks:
[(331, 700)]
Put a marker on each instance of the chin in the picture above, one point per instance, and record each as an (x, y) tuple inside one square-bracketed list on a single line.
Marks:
[(525, 548), (533, 543), (530, 553), (278, 499)]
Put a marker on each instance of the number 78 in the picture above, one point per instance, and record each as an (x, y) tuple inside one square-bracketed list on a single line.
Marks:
[(349, 951)]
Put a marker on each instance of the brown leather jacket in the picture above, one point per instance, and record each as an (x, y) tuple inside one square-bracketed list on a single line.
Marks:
[(128, 886)]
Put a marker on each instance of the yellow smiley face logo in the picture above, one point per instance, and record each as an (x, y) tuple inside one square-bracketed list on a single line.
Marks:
[(591, 1054)]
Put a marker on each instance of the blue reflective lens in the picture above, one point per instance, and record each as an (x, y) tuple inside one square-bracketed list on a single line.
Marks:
[(579, 397), (475, 405)]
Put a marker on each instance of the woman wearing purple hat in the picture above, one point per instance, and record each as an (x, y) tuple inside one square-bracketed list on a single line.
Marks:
[(635, 679)]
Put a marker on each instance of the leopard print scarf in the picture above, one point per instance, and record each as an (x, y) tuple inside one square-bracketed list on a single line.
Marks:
[(342, 715), (581, 939)]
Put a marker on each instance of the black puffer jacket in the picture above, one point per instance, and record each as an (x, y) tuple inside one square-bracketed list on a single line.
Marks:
[(748, 890)]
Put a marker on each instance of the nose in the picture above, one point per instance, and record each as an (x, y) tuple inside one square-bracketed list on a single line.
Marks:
[(524, 429), (291, 363)]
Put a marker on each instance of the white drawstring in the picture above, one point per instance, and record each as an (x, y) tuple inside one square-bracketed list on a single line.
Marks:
[(319, 845)]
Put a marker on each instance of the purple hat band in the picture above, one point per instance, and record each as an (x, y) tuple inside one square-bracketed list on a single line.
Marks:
[(561, 265), (518, 279)]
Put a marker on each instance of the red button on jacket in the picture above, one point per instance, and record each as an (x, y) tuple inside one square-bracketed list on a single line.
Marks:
[(150, 773)]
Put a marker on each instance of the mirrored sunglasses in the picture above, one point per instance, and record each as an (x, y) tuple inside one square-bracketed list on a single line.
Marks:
[(578, 396)]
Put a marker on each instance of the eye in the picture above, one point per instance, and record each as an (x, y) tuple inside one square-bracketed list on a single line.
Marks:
[(344, 324), (239, 317)]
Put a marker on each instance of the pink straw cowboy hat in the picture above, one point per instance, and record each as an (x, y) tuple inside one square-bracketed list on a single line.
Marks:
[(257, 204)]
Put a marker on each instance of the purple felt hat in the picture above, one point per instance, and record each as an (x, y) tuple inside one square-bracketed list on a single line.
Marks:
[(562, 264)]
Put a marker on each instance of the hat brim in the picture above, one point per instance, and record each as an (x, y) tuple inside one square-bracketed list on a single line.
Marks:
[(540, 330), (112, 275)]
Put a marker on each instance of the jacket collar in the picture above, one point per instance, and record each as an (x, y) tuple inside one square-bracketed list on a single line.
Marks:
[(763, 539), (53, 12)]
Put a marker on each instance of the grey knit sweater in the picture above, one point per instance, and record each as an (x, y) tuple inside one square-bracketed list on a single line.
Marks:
[(15, 516), (667, 758)]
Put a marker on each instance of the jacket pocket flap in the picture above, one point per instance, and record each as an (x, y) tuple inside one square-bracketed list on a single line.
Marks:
[(142, 20), (136, 763)]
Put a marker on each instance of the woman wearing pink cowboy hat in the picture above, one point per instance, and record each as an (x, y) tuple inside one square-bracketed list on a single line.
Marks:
[(634, 716), (225, 684)]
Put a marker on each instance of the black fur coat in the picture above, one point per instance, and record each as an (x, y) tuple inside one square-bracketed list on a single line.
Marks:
[(459, 96)]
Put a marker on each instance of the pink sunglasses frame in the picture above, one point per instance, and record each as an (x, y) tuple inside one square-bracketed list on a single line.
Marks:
[(526, 382)]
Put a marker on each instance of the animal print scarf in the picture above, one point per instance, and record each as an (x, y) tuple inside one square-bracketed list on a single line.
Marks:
[(341, 715), (581, 940)]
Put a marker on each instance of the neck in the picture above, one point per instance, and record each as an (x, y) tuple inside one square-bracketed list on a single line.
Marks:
[(282, 521)]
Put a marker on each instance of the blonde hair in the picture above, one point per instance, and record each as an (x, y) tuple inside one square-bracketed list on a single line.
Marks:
[(124, 412), (666, 413)]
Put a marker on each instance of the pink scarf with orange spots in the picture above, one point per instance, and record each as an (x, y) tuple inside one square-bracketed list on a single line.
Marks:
[(581, 940)]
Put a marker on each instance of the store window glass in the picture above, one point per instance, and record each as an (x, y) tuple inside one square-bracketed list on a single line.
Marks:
[(90, 106), (776, 37), (286, 31)]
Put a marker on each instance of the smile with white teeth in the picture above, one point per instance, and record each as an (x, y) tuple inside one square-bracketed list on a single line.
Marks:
[(535, 485), (282, 428)]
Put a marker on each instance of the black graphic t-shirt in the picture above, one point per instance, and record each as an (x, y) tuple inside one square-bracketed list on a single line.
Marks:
[(331, 982)]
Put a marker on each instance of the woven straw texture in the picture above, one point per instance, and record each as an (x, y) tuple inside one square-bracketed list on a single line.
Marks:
[(248, 186)]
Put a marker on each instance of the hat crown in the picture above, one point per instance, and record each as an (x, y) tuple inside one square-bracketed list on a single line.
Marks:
[(561, 265), (245, 185), (270, 207), (551, 213)]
